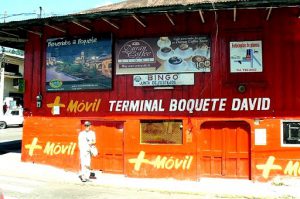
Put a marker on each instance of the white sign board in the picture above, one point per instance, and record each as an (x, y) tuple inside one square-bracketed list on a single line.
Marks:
[(246, 56), (163, 79), (56, 110), (260, 137)]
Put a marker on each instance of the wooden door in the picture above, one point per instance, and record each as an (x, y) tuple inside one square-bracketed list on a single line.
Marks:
[(109, 137), (223, 150)]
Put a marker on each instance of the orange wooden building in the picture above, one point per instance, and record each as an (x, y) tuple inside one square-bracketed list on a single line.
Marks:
[(180, 89)]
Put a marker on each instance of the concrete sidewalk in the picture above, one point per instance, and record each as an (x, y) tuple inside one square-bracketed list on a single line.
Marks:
[(10, 165)]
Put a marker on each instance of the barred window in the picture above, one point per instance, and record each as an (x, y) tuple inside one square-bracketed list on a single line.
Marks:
[(161, 132), (290, 133)]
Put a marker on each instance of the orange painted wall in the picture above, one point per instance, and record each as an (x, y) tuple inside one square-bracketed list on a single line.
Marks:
[(63, 132)]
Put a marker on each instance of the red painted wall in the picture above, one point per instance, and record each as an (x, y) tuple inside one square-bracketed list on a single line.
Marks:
[(278, 81)]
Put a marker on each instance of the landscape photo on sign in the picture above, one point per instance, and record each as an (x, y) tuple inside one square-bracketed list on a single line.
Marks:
[(79, 63)]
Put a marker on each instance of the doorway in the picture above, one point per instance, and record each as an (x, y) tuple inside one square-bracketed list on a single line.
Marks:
[(223, 150), (109, 141)]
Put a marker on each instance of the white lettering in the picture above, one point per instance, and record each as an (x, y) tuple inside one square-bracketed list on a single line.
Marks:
[(136, 105), (235, 104), (265, 104), (112, 103), (189, 105), (173, 105), (222, 104), (252, 104)]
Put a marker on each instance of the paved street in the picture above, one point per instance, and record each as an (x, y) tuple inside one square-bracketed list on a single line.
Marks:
[(10, 140), (21, 188), (20, 180), (10, 134)]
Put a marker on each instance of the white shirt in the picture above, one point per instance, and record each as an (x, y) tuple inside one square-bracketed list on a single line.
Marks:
[(85, 139)]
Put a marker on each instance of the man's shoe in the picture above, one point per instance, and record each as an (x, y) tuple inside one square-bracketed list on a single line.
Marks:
[(92, 176), (82, 180)]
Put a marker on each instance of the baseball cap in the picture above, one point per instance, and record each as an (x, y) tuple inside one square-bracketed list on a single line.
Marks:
[(87, 123)]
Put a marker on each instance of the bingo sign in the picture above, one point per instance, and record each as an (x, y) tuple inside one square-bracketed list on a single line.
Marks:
[(163, 79), (246, 56)]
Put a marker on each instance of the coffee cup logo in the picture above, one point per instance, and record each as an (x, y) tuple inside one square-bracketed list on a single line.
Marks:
[(175, 60), (183, 47), (166, 50)]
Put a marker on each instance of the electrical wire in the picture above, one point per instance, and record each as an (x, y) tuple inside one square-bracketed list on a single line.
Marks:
[(28, 15), (15, 15)]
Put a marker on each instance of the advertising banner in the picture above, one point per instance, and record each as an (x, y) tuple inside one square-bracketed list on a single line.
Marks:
[(246, 56), (79, 63), (164, 79), (163, 55)]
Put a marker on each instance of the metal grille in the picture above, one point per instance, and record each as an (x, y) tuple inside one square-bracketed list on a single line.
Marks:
[(161, 132)]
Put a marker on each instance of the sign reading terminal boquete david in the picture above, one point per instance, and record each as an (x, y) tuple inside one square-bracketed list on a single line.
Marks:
[(191, 105), (162, 105)]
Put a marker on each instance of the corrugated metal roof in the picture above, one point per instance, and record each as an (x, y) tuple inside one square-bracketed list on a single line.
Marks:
[(135, 4)]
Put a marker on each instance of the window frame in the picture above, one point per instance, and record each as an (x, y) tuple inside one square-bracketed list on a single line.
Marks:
[(162, 120), (282, 133)]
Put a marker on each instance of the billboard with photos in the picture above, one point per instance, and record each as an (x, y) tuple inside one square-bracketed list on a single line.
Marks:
[(163, 55), (79, 63)]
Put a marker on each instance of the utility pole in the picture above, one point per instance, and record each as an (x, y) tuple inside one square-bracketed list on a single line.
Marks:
[(4, 16), (41, 9), (2, 70)]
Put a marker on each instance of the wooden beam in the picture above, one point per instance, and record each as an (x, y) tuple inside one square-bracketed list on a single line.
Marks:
[(201, 16), (110, 23), (234, 14), (35, 32), (7, 33), (55, 28), (31, 31), (13, 39), (80, 25), (140, 22), (170, 19), (269, 13)]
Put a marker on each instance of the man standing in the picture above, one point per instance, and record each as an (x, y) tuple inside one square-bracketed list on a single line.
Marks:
[(86, 140)]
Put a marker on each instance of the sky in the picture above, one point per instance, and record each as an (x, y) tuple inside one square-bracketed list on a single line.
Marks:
[(14, 10)]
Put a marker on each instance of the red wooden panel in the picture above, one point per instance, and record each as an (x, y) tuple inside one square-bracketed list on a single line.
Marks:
[(224, 150), (237, 147), (109, 137)]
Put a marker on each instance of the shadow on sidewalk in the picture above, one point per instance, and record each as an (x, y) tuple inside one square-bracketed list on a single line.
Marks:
[(10, 146)]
